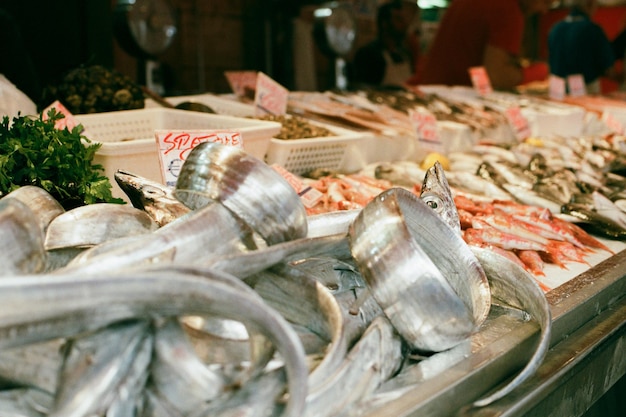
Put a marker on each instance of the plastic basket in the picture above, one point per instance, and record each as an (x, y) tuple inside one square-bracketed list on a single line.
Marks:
[(343, 152), (128, 141)]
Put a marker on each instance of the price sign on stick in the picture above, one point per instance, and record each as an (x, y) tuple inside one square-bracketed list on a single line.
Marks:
[(480, 80), (241, 81), (175, 145), (556, 87), (69, 121), (270, 96), (425, 124), (518, 122), (308, 195), (576, 85)]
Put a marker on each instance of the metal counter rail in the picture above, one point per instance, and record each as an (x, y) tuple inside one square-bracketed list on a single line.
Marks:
[(587, 356)]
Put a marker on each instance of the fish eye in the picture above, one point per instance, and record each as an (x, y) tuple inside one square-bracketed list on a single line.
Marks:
[(433, 201)]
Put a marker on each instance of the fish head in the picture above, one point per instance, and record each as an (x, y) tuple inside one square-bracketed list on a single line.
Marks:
[(437, 195), (141, 191)]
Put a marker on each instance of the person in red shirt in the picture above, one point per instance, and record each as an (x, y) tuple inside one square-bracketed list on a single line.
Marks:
[(485, 33)]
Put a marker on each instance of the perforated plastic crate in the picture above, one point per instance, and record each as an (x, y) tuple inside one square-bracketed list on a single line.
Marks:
[(344, 152), (128, 141)]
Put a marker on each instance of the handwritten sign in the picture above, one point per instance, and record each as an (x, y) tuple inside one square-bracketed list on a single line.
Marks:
[(69, 121), (480, 80), (174, 147), (612, 123), (518, 122), (270, 96), (576, 85), (556, 87), (425, 124), (308, 195), (241, 81)]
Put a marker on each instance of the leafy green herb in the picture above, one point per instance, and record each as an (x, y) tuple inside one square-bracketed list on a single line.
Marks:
[(34, 152)]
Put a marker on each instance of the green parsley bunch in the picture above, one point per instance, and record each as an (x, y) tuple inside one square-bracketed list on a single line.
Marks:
[(34, 152)]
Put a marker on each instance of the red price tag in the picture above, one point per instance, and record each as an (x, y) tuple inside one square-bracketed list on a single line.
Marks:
[(425, 124), (480, 80), (518, 122), (612, 123), (270, 96), (241, 81), (576, 85), (308, 195), (69, 121), (556, 87), (175, 145)]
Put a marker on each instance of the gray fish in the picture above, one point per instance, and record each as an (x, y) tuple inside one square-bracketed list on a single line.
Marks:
[(92, 224), (437, 195), (478, 185), (94, 366), (153, 197), (336, 275), (515, 287), (533, 198), (39, 308), (21, 239)]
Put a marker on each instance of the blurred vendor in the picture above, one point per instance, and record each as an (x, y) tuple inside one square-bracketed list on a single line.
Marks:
[(487, 33), (577, 45), (387, 61)]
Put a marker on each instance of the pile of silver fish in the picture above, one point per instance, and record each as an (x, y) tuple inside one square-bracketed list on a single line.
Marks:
[(220, 297)]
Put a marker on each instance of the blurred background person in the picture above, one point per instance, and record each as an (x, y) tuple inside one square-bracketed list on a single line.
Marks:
[(486, 33), (390, 59), (577, 45)]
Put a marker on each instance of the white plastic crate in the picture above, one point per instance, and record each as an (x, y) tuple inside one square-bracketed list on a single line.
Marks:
[(344, 152), (128, 141)]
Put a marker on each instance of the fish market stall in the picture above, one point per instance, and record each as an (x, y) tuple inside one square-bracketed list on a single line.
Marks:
[(337, 302)]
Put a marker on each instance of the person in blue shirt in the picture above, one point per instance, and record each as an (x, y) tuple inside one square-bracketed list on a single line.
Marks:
[(577, 45)]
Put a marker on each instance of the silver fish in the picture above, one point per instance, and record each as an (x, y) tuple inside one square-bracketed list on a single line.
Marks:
[(43, 205), (94, 367), (437, 195), (128, 400), (372, 360), (475, 184), (177, 372), (36, 366), (530, 197), (400, 173), (21, 239), (92, 224), (261, 397), (246, 264), (409, 257), (208, 232), (25, 402), (331, 223), (247, 186), (153, 197), (514, 286), (305, 301), (37, 309)]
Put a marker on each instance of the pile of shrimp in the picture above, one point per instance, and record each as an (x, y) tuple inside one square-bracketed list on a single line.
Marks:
[(528, 235)]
